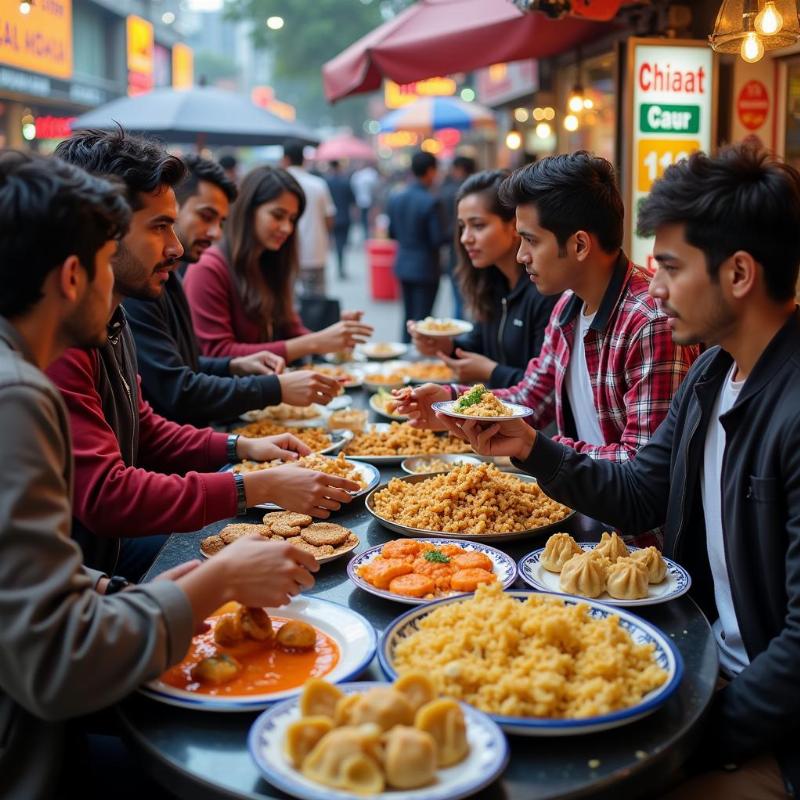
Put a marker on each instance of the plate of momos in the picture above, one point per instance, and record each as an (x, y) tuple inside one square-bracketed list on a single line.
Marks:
[(608, 570), (372, 739)]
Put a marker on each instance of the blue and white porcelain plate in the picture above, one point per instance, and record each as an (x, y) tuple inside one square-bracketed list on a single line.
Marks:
[(353, 634), (515, 411), (665, 654), (504, 568), (676, 583), (488, 756)]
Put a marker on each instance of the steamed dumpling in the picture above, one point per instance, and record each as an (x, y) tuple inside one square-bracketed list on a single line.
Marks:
[(584, 575), (655, 564), (444, 720), (381, 705), (341, 759), (319, 698), (416, 687), (627, 580), (611, 546), (302, 736), (559, 549), (409, 757)]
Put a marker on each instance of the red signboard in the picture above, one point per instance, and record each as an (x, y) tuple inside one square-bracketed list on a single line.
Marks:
[(752, 105)]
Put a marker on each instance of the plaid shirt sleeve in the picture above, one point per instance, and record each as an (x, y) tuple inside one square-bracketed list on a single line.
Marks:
[(653, 368)]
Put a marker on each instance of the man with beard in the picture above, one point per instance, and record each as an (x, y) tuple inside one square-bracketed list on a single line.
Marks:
[(177, 381), (136, 474), (69, 644)]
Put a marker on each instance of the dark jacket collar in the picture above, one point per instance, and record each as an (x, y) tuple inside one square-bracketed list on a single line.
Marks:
[(14, 339), (115, 325), (619, 276)]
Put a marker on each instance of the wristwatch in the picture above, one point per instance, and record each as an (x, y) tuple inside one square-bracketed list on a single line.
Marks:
[(241, 497), (233, 438), (116, 583)]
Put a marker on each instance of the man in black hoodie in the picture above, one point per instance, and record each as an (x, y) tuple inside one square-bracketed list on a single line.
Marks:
[(179, 383), (722, 472)]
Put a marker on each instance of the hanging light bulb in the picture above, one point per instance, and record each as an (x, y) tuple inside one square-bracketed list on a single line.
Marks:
[(576, 100), (769, 20), (513, 140), (752, 48), (571, 123)]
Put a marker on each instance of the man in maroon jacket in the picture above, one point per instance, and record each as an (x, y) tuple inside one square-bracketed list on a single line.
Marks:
[(136, 473)]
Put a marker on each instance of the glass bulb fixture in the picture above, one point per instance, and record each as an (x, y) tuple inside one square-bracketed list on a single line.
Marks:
[(769, 20), (571, 123), (575, 102), (543, 130), (752, 48), (513, 140)]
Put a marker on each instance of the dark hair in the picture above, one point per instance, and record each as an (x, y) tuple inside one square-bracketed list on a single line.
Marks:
[(49, 211), (572, 192), (142, 164), (203, 169), (476, 284), (421, 162), (739, 200), (334, 163), (228, 161), (293, 150), (264, 280), (467, 163)]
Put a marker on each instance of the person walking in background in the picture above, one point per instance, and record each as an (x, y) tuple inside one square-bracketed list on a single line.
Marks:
[(365, 183), (315, 222), (415, 222), (461, 169), (343, 198), (230, 164)]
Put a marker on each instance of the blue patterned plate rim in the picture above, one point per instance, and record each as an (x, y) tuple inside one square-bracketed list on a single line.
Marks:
[(517, 412), (359, 560), (473, 715), (660, 696)]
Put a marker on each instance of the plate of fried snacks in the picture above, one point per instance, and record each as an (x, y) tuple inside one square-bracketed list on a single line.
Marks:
[(379, 351), (426, 465), (352, 419), (252, 657), (610, 571), (396, 741), (318, 439), (384, 403), (287, 414), (436, 326), (387, 375), (475, 501), (430, 372), (390, 443), (349, 375), (479, 403), (539, 664), (415, 571)]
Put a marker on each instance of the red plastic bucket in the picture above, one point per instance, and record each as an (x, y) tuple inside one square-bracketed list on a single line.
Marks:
[(381, 254)]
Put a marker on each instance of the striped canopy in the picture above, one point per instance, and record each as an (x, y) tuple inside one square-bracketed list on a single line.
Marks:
[(435, 113)]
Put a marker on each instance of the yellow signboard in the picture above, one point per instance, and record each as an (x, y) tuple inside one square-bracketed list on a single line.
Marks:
[(140, 55), (182, 66), (655, 155), (398, 95), (39, 40)]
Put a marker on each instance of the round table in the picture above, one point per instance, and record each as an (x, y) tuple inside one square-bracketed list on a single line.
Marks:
[(204, 755)]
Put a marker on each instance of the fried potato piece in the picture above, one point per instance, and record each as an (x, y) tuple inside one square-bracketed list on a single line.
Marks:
[(468, 580), (212, 544), (228, 629), (257, 625), (401, 548), (217, 669), (472, 561), (296, 635), (412, 585), (382, 571)]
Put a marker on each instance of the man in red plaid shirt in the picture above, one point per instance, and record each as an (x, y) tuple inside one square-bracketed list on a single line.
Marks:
[(608, 367)]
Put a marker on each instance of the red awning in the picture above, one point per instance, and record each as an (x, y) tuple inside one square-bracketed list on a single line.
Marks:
[(440, 37)]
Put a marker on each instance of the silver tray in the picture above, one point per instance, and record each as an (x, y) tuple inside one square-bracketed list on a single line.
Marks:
[(405, 530), (389, 460)]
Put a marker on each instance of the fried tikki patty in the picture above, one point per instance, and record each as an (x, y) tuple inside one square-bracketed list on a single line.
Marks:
[(230, 533), (321, 533)]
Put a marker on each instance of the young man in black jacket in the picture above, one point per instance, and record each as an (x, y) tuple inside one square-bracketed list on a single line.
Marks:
[(179, 383), (722, 472)]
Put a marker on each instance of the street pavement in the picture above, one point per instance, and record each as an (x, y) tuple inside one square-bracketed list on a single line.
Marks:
[(353, 293)]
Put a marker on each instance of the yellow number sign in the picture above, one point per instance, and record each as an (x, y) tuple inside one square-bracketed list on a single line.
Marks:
[(655, 155)]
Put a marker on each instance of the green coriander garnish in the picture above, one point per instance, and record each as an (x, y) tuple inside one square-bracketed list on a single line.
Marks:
[(437, 557), (471, 398)]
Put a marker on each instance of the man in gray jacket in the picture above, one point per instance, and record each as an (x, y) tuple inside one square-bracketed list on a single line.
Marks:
[(69, 643)]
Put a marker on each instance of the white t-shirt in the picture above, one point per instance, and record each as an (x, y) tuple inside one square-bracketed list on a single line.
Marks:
[(732, 655), (364, 182), (312, 227), (579, 386)]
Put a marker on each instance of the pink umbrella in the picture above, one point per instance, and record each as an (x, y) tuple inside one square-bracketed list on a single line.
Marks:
[(344, 147), (439, 37)]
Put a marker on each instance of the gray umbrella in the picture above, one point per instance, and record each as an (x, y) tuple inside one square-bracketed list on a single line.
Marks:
[(203, 115)]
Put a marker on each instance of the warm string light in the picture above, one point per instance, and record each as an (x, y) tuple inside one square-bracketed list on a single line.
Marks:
[(769, 20)]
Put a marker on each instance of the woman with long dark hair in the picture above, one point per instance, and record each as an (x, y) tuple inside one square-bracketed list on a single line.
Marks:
[(240, 294), (509, 312)]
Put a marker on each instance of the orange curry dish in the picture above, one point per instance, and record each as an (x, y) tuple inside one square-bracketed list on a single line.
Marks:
[(247, 652), (413, 568)]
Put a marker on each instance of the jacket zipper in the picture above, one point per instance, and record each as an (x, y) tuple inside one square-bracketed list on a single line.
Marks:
[(501, 331), (683, 487)]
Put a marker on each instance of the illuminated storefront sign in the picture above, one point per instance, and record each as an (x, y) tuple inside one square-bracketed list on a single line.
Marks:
[(141, 58), (182, 66), (39, 40), (396, 95)]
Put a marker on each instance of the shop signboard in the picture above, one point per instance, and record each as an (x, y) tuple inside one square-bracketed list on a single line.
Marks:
[(671, 114), (141, 55), (39, 40), (182, 66), (398, 95)]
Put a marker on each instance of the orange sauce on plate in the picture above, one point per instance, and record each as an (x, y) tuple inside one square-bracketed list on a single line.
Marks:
[(265, 667)]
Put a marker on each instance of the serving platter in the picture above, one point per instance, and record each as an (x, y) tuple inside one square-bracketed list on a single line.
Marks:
[(378, 427), (353, 634), (408, 465), (488, 756), (677, 582), (448, 407), (375, 350), (503, 566), (665, 654), (459, 327), (406, 530)]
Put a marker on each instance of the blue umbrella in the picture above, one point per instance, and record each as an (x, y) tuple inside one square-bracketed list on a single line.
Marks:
[(436, 113)]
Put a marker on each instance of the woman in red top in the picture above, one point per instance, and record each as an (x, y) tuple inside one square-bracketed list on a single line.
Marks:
[(240, 294)]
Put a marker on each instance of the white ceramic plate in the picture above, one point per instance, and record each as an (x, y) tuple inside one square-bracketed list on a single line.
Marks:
[(517, 412), (384, 460), (380, 351), (504, 568), (354, 370), (459, 327), (674, 585), (665, 654), (375, 405), (353, 634), (488, 756), (420, 465), (415, 379)]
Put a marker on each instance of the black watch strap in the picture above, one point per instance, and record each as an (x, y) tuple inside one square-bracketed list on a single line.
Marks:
[(116, 583)]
